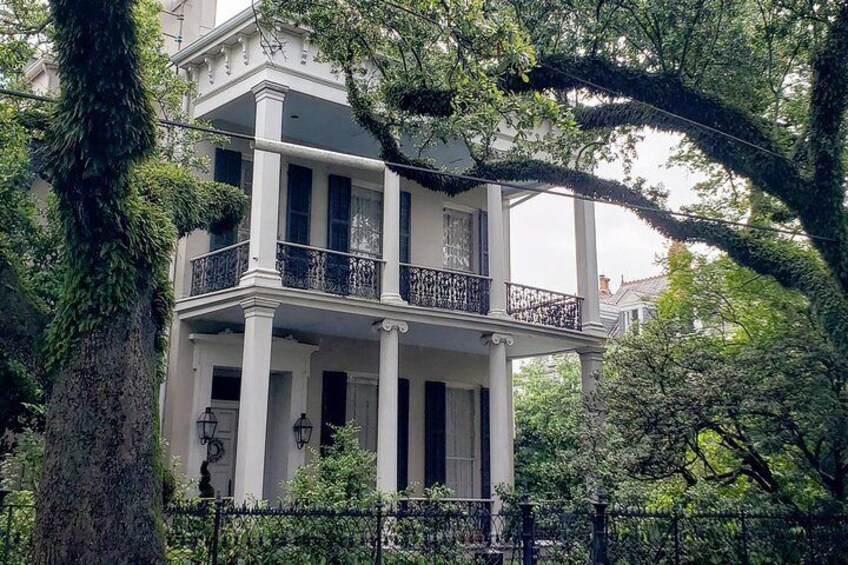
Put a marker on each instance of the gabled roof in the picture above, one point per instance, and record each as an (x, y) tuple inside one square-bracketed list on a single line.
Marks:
[(649, 287)]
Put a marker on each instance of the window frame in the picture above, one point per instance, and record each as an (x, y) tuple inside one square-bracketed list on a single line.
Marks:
[(362, 189), (448, 210)]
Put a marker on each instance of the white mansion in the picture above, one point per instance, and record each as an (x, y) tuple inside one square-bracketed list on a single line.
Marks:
[(350, 293)]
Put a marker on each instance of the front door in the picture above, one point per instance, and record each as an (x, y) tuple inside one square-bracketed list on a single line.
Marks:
[(221, 452)]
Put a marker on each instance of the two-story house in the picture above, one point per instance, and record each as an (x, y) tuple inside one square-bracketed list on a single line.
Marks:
[(349, 293)]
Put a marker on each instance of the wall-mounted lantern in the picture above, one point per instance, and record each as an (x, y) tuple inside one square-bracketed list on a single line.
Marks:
[(302, 431), (206, 426)]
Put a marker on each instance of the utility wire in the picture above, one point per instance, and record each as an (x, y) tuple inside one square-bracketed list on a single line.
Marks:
[(459, 176), (163, 122)]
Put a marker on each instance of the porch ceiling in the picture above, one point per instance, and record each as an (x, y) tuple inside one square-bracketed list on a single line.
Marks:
[(438, 330), (319, 123)]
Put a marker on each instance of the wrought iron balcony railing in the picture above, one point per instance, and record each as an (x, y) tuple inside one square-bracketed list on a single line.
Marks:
[(438, 288), (333, 272), (543, 307), (219, 269)]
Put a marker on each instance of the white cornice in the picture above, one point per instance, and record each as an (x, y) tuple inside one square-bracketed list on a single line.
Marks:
[(242, 22)]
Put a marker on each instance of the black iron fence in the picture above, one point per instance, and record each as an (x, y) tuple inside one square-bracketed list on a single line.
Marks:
[(449, 290), (446, 532), (543, 307)]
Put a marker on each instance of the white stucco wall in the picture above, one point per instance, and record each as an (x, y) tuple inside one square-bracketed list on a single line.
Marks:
[(190, 388)]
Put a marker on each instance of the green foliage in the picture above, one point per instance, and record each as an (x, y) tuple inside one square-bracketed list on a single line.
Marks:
[(17, 532), (550, 428), (732, 392), (342, 477), (473, 44), (20, 467)]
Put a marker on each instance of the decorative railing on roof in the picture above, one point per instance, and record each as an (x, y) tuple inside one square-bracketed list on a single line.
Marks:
[(440, 288), (543, 307), (219, 269), (333, 272)]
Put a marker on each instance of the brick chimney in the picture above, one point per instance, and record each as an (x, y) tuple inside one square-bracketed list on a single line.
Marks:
[(604, 284)]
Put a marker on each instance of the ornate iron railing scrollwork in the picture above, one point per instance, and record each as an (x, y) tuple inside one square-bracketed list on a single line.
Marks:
[(219, 269), (450, 290), (543, 307), (333, 272)]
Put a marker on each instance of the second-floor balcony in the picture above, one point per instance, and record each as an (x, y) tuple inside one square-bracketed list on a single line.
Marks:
[(313, 269)]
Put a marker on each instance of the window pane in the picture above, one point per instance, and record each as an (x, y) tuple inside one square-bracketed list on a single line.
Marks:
[(366, 224), (459, 439), (457, 240)]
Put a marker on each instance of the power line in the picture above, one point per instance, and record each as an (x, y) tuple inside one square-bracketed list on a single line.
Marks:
[(161, 121), (459, 176), (611, 91), (471, 178)]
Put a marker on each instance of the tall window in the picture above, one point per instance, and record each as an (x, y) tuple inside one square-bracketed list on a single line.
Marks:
[(458, 249), (366, 222), (362, 409), (459, 439)]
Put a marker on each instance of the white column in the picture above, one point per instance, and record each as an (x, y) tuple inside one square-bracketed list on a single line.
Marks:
[(253, 406), (499, 416), (390, 292), (497, 251), (387, 412), (591, 363), (587, 264), (265, 200)]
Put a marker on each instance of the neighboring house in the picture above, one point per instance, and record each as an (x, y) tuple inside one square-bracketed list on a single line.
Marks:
[(633, 302), (349, 293)]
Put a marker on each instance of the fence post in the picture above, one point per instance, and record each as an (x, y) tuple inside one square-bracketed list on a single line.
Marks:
[(216, 529), (378, 558), (528, 556), (743, 536), (599, 529)]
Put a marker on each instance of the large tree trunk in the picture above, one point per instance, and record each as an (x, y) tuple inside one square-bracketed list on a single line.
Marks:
[(100, 494)]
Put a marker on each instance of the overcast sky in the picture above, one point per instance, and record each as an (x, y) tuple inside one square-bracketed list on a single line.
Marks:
[(543, 228)]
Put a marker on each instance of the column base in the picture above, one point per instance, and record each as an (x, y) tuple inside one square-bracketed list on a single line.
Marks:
[(393, 299), (266, 278), (593, 327), (499, 314)]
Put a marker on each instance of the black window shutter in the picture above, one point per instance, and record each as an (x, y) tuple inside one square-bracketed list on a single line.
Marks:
[(483, 235), (333, 404), (299, 204), (228, 171), (405, 226), (338, 214), (403, 434), (485, 448), (435, 464)]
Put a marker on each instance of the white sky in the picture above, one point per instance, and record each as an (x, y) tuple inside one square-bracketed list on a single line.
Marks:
[(543, 228)]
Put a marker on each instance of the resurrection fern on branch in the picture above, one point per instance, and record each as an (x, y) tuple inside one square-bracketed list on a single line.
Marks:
[(758, 90), (120, 214)]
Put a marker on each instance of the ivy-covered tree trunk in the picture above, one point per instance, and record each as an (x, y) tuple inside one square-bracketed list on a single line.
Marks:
[(100, 496)]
